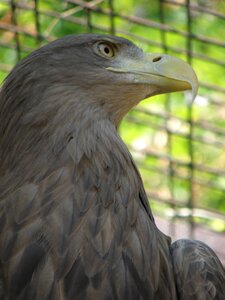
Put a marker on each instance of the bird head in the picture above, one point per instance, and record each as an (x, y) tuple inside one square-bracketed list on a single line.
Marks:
[(136, 75), (114, 74), (97, 71)]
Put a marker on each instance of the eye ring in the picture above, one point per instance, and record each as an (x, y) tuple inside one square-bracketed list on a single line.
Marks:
[(105, 49)]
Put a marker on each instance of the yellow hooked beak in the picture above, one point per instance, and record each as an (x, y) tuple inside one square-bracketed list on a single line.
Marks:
[(166, 73)]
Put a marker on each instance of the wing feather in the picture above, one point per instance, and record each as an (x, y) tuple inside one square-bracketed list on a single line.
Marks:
[(198, 271), (91, 222)]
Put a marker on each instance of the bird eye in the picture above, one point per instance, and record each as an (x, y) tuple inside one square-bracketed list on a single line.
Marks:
[(106, 50)]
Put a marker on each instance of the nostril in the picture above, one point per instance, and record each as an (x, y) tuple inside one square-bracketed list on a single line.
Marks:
[(155, 59)]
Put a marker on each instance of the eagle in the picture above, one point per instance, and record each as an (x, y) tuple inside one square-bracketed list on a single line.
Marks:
[(75, 221)]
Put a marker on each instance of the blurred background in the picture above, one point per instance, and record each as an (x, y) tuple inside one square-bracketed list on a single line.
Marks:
[(179, 146)]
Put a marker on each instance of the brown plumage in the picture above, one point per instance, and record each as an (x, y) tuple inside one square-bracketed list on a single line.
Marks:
[(75, 222)]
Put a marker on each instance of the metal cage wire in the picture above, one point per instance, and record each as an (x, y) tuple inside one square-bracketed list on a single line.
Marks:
[(17, 39)]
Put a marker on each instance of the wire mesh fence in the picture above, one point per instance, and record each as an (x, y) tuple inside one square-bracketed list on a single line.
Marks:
[(178, 145)]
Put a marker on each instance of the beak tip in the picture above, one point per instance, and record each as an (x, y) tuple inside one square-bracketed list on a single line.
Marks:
[(194, 89)]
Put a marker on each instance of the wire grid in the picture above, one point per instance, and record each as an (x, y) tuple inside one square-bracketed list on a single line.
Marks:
[(161, 168)]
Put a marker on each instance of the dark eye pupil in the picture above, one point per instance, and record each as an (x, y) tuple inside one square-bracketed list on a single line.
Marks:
[(106, 49)]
